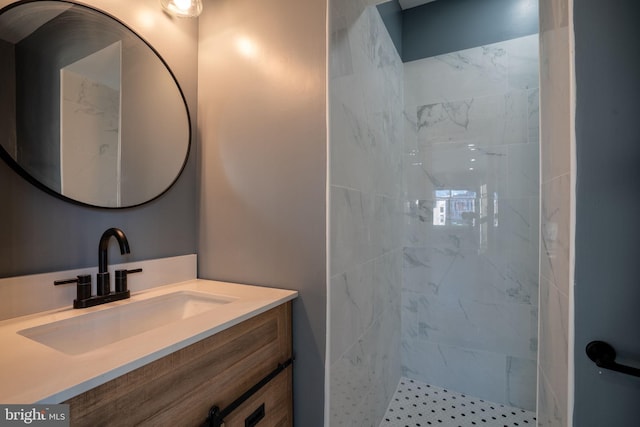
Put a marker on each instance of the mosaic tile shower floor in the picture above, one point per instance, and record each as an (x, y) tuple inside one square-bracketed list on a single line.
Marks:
[(416, 404)]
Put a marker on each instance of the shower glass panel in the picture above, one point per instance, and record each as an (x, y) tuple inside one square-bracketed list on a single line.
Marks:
[(434, 214), (470, 288)]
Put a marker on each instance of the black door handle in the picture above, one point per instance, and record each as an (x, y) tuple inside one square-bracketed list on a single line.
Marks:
[(604, 355)]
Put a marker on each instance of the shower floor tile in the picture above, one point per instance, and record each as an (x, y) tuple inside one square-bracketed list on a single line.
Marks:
[(416, 404)]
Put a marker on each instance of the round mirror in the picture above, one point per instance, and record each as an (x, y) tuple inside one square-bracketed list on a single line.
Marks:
[(88, 110)]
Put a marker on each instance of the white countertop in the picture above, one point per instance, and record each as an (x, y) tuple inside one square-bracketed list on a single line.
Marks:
[(31, 372)]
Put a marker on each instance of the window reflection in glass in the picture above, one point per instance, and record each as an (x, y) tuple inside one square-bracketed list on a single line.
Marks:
[(455, 207), (465, 207)]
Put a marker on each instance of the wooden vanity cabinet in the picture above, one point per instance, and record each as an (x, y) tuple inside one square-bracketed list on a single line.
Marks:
[(179, 389)]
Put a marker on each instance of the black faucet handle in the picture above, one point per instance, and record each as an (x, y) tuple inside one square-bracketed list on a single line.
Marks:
[(68, 281), (121, 278), (80, 279), (84, 285)]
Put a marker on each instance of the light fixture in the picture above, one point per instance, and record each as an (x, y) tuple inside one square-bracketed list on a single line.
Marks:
[(183, 8)]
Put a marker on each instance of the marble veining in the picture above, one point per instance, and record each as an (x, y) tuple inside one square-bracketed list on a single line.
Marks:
[(470, 257), (456, 112), (366, 149), (496, 119), (468, 73), (552, 408), (90, 140)]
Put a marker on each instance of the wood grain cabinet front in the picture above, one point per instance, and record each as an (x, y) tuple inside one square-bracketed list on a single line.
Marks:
[(179, 389)]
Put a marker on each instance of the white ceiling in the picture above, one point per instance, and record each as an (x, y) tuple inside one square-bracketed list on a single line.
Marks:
[(407, 4)]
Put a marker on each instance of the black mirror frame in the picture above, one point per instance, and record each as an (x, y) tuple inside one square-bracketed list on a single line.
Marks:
[(26, 175)]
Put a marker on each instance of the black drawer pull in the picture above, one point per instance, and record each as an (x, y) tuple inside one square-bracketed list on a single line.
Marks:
[(604, 355), (255, 417), (216, 416)]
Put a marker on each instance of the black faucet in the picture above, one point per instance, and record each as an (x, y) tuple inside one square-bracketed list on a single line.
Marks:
[(103, 281), (103, 286)]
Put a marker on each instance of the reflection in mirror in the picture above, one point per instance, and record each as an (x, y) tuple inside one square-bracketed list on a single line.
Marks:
[(88, 110), (90, 128)]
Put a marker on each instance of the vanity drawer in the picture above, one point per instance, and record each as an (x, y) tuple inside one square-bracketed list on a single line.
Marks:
[(269, 407), (179, 389)]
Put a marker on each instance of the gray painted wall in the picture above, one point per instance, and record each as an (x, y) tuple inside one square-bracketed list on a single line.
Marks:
[(8, 100), (448, 26), (41, 233), (262, 128), (607, 291), (391, 14)]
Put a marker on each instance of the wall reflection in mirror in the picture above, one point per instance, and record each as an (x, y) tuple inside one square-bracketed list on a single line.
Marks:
[(89, 111)]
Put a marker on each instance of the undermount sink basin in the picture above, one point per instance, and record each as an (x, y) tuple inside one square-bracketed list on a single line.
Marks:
[(94, 330)]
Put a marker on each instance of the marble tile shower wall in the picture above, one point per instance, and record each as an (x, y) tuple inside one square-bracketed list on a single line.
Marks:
[(470, 289), (555, 263), (366, 199)]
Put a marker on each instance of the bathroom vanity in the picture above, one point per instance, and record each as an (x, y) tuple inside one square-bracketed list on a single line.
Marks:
[(165, 356), (169, 347), (181, 388)]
